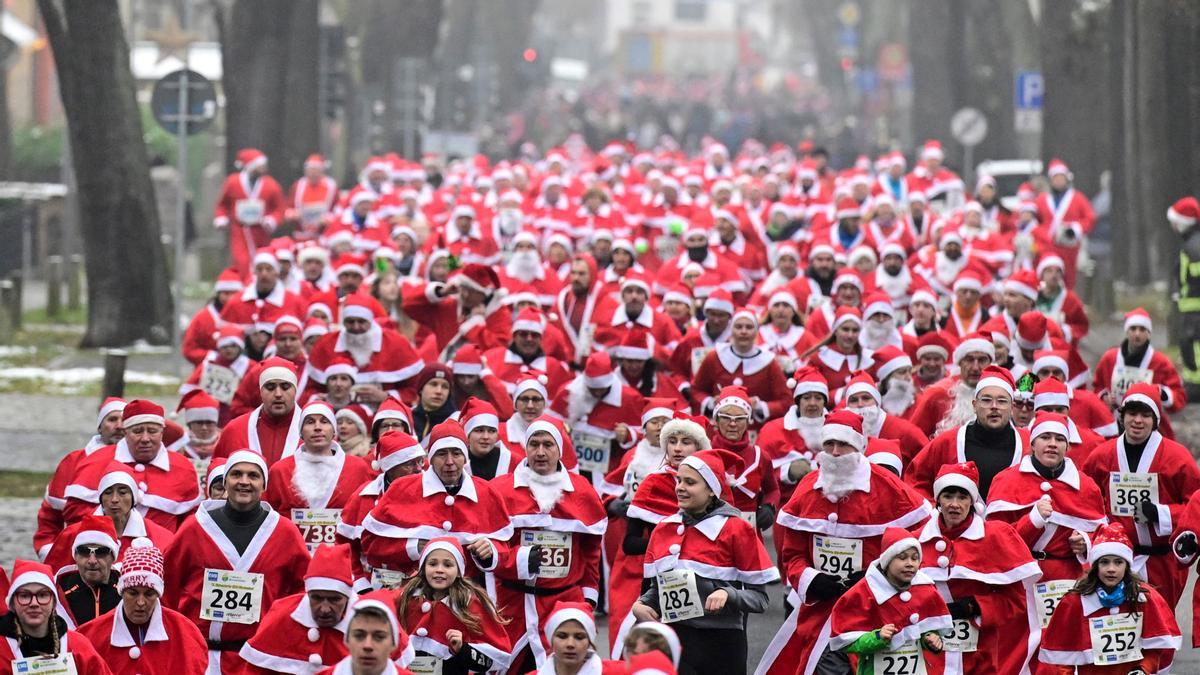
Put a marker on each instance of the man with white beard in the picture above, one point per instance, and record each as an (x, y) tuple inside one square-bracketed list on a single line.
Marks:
[(525, 269), (879, 325), (385, 359), (949, 403), (893, 371), (989, 439), (863, 398), (558, 521), (832, 528), (893, 277)]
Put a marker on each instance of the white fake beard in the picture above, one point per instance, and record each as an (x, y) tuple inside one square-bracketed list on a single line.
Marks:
[(315, 476), (646, 458), (359, 346), (947, 269), (546, 490), (837, 474), (961, 411), (876, 335), (579, 400), (872, 417), (524, 265), (193, 439), (894, 286), (900, 395), (810, 431)]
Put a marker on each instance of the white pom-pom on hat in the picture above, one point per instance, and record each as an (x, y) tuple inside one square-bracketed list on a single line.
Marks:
[(791, 383), (422, 631), (375, 465), (673, 549), (315, 660), (141, 542), (543, 380), (914, 618)]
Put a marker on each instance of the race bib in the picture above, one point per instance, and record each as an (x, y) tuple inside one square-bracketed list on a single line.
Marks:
[(1127, 490), (698, 354), (592, 451), (749, 517), (963, 636), (1126, 377), (1116, 638), (232, 597), (310, 214), (837, 556), (556, 551), (1048, 594), (318, 526), (384, 578), (906, 660), (201, 466), (63, 664), (631, 484), (249, 211), (587, 336), (426, 665), (220, 382), (678, 599)]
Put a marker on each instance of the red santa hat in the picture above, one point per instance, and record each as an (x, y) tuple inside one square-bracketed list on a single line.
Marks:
[(530, 319), (744, 313), (844, 314), (230, 334), (1048, 261), (661, 664), (1050, 359), (1146, 394), (637, 345), (391, 409), (1058, 167), (288, 325), (571, 611), (973, 207), (97, 531), (808, 380), (228, 281), (718, 468), (449, 545), (120, 474), (448, 434), (950, 235), (635, 282), (380, 601), (847, 277), (888, 359), (896, 540), (277, 369), (686, 425), (917, 197), (142, 567), (848, 208), (657, 407), (964, 475), (1183, 214), (462, 211), (216, 470), (467, 360), (266, 257), (342, 364), (1049, 423), (476, 277), (1028, 206), (248, 457), (886, 453), (820, 249), (531, 384), (28, 572), (892, 248), (1031, 330), (357, 413), (932, 150), (975, 343), (357, 307), (545, 424), (1138, 317), (140, 411), (734, 395), (1110, 539), (844, 426), (598, 371), (862, 383), (315, 161), (329, 570), (110, 405), (395, 448), (785, 297), (936, 342), (198, 406), (862, 252), (995, 376), (878, 303), (970, 280), (1051, 392), (623, 244), (1023, 282), (720, 300), (313, 252), (249, 159), (477, 413)]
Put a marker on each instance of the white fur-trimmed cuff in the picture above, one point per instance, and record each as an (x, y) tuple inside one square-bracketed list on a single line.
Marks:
[(412, 549), (1035, 517), (523, 574)]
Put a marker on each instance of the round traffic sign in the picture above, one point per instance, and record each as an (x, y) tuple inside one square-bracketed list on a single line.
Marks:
[(969, 126), (201, 106)]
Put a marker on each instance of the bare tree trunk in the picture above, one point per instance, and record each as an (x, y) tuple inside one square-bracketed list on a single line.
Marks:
[(129, 295), (6, 147), (271, 63)]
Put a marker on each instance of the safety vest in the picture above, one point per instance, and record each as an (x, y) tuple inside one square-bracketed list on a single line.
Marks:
[(1189, 283)]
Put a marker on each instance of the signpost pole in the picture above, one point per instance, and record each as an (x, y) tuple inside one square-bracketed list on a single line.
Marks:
[(181, 133)]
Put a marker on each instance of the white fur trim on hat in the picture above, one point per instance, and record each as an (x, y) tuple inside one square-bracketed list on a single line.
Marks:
[(1021, 289), (1056, 399), (1098, 551), (972, 346), (785, 298), (686, 428), (537, 426), (571, 614), (328, 584), (957, 480), (120, 478), (443, 546), (446, 442), (1146, 401), (26, 579), (886, 556), (1139, 320), (993, 382), (357, 312), (530, 385), (1049, 427), (248, 457), (888, 459), (485, 420), (276, 373), (1049, 261), (601, 382), (1050, 361), (386, 608), (656, 412), (143, 419), (266, 258), (667, 633), (718, 305), (734, 401), (711, 479), (96, 538), (109, 408), (844, 434)]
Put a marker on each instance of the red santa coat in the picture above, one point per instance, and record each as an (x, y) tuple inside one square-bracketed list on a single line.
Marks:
[(418, 508), (837, 366), (248, 309), (169, 485), (349, 528), (74, 643), (1077, 506), (426, 622), (50, 521), (895, 232), (749, 256), (759, 373), (198, 339), (862, 517), (444, 318), (261, 203), (949, 447), (1068, 641), (1069, 312), (577, 319), (334, 299), (1189, 524), (685, 354), (613, 327), (1178, 479), (393, 360), (473, 247), (282, 495), (288, 638), (724, 269), (874, 602), (62, 553), (172, 645), (311, 202), (1082, 442), (718, 547), (782, 345), (910, 438), (1111, 367), (511, 369), (274, 437), (276, 551), (1073, 211), (987, 561), (934, 402), (578, 514), (621, 405)]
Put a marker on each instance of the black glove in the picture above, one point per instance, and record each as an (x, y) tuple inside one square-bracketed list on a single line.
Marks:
[(617, 508), (1148, 511), (825, 587), (1185, 545), (966, 608), (854, 578), (764, 516), (535, 560)]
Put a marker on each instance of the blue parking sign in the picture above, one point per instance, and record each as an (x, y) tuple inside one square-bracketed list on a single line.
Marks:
[(1029, 88)]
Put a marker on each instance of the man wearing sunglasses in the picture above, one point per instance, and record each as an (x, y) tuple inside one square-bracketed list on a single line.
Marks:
[(89, 589)]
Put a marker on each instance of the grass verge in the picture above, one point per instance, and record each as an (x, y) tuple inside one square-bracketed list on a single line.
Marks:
[(23, 484)]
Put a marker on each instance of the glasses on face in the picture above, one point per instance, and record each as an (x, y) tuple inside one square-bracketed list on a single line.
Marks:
[(25, 598), (733, 419), (89, 551), (531, 400), (1023, 405), (994, 402)]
